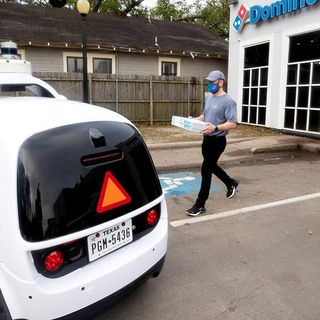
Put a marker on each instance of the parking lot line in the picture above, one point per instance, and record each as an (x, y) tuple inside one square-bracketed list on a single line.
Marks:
[(257, 208)]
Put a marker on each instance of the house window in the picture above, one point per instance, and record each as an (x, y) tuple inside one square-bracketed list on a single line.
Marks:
[(169, 66), (97, 62), (302, 104), (74, 64), (255, 84), (102, 65)]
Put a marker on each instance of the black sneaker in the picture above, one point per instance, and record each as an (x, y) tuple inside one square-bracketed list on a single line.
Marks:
[(232, 190), (195, 210)]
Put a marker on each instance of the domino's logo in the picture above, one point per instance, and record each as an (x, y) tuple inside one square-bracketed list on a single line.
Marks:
[(241, 18), (186, 124), (258, 13)]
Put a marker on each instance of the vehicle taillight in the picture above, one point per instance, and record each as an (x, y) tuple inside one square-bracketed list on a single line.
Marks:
[(152, 217), (54, 261)]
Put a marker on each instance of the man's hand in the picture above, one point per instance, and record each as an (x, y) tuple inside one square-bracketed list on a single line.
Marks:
[(209, 128)]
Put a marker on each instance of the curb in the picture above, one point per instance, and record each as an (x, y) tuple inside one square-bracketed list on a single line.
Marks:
[(187, 144), (174, 145), (307, 147), (310, 147), (275, 148)]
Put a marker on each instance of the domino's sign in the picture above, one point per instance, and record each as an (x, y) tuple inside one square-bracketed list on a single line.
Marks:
[(256, 14), (241, 18)]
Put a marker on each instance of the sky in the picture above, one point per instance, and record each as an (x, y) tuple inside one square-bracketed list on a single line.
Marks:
[(149, 3)]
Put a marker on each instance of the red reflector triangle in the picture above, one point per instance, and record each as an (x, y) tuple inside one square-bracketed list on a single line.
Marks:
[(112, 194)]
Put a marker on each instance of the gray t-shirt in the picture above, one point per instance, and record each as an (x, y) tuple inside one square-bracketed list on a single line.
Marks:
[(218, 110)]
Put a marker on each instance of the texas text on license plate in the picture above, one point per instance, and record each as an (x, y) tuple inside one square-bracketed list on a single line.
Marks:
[(107, 240)]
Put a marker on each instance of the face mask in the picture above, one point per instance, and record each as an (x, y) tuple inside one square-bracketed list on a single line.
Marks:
[(213, 87)]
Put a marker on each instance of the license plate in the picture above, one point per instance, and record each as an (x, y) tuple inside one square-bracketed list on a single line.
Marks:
[(108, 240)]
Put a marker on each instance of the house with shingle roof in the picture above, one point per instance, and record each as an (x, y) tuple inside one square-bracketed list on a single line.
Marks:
[(50, 38)]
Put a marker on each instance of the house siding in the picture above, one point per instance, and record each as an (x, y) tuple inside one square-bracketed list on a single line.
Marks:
[(146, 65), (200, 67), (51, 60), (137, 64), (45, 60)]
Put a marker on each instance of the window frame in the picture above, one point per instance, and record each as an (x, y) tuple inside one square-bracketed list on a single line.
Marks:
[(305, 29), (270, 38), (255, 109), (172, 60), (90, 57), (100, 58)]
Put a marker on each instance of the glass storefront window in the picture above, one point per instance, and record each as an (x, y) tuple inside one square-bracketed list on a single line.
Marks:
[(254, 96), (303, 83), (253, 115), (263, 97), (262, 116), (314, 122), (246, 78), (264, 77), (255, 84), (289, 118), (245, 96), (315, 97), (303, 94), (244, 115), (291, 97), (256, 56), (301, 120), (304, 77), (292, 74), (316, 72), (255, 77), (305, 47)]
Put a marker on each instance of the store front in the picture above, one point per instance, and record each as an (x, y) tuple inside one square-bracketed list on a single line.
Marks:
[(274, 64)]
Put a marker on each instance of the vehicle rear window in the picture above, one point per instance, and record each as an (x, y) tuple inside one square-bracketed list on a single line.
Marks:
[(24, 90), (61, 173)]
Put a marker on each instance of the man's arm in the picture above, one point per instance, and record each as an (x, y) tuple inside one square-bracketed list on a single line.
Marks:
[(221, 127), (201, 118)]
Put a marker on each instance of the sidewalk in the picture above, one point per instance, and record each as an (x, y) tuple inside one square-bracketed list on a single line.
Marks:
[(175, 156)]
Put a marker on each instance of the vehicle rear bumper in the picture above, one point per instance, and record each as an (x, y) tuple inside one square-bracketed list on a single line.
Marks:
[(100, 306), (98, 282)]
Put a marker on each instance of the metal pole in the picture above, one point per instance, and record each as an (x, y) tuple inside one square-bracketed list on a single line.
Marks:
[(151, 101), (84, 59), (188, 93)]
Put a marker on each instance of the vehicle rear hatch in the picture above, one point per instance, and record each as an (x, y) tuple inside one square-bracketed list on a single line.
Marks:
[(64, 173)]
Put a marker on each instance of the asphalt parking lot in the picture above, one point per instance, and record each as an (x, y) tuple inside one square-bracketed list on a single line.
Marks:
[(254, 256)]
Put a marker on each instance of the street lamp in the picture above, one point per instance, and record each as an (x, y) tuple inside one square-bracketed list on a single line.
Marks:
[(83, 7)]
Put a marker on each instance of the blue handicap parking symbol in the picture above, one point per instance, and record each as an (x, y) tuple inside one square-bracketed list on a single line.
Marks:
[(182, 183)]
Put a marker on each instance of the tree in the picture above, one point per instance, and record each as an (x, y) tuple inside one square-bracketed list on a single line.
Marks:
[(216, 17), (120, 7), (214, 14)]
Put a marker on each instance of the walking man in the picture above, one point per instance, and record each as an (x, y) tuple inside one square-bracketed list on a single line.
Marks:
[(220, 114)]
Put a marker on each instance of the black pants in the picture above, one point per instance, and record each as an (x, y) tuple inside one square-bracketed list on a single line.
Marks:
[(212, 148)]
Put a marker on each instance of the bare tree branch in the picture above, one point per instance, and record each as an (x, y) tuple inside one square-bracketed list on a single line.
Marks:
[(97, 6), (130, 7)]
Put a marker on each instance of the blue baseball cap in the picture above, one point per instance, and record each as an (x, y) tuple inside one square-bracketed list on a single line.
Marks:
[(215, 75)]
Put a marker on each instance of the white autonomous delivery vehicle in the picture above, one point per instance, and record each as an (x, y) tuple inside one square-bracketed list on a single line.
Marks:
[(83, 218)]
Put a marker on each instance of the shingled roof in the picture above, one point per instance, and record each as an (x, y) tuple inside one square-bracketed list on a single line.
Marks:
[(38, 26)]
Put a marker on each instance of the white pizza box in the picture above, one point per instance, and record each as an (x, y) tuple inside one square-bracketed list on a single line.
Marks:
[(188, 123)]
